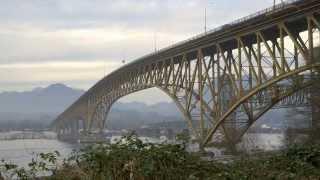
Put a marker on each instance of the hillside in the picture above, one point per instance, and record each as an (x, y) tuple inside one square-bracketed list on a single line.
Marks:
[(52, 99), (37, 108)]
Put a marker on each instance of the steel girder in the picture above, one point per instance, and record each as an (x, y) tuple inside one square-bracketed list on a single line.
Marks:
[(224, 83)]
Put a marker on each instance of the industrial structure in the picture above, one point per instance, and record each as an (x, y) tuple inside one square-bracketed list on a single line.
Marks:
[(224, 79)]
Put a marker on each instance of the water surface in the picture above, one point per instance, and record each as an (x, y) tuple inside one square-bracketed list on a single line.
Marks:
[(22, 151)]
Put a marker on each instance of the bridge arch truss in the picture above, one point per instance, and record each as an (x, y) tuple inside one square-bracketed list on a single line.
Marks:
[(222, 81)]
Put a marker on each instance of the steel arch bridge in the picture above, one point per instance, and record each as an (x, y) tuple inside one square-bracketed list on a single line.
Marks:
[(225, 79)]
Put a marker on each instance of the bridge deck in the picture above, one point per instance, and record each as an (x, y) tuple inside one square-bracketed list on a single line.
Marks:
[(266, 22), (226, 33)]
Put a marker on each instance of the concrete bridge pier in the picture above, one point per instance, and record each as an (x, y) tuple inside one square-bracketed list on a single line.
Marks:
[(60, 133), (75, 129), (69, 132)]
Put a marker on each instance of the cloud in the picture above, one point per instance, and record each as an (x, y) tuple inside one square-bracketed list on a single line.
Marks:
[(55, 72), (69, 40), (150, 14), (36, 44)]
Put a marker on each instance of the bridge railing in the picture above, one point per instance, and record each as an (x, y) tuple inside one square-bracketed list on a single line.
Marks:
[(272, 9), (275, 8)]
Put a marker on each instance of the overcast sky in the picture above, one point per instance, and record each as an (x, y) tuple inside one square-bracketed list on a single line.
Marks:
[(77, 42)]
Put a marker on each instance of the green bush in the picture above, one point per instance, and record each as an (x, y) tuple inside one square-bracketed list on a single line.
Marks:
[(43, 163), (131, 159)]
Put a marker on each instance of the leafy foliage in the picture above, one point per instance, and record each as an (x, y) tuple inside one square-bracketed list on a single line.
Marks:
[(43, 163), (132, 159)]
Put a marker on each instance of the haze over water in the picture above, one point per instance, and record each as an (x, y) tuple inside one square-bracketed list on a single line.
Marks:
[(22, 151)]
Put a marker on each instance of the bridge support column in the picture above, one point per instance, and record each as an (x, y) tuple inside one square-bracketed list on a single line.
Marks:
[(63, 132), (68, 130), (208, 77), (75, 129), (59, 133)]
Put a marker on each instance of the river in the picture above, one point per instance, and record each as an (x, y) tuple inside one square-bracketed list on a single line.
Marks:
[(22, 151)]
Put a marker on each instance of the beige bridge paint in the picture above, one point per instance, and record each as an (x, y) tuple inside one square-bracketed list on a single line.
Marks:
[(224, 80)]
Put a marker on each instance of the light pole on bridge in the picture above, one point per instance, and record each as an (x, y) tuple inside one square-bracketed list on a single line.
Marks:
[(274, 3), (205, 16)]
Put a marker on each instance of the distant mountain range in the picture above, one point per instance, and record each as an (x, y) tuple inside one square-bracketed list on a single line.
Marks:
[(163, 108), (42, 105), (52, 100), (57, 97)]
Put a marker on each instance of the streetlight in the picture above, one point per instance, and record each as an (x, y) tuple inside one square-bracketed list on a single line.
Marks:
[(155, 42), (205, 20), (205, 17), (274, 4)]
